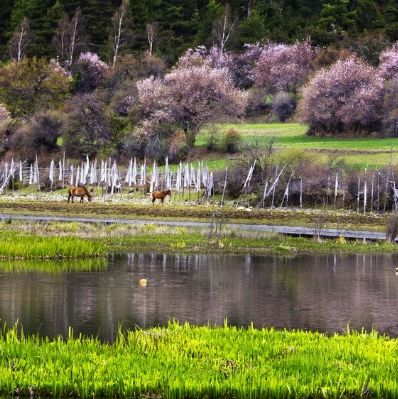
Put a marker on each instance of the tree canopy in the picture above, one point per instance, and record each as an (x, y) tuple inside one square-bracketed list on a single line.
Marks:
[(183, 24)]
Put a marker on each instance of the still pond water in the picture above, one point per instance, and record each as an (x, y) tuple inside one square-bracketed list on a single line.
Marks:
[(321, 293)]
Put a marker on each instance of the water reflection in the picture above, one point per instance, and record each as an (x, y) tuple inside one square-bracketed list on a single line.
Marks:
[(309, 292), (52, 266)]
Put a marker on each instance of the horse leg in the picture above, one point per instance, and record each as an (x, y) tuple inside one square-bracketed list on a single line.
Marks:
[(162, 199)]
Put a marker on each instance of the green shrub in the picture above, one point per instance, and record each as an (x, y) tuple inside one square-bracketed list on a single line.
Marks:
[(212, 138), (230, 142)]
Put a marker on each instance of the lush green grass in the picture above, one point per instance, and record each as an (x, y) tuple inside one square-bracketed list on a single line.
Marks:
[(187, 361), (20, 246), (357, 151)]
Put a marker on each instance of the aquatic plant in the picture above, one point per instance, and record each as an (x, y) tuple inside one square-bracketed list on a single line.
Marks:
[(182, 361), (18, 246)]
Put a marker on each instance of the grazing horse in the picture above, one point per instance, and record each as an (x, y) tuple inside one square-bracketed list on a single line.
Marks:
[(79, 192), (160, 195)]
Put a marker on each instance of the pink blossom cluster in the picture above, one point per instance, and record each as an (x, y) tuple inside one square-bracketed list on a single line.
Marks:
[(188, 96), (348, 95), (281, 67), (60, 69), (91, 68), (389, 62)]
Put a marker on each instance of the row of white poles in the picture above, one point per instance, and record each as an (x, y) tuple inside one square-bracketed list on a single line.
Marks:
[(194, 177)]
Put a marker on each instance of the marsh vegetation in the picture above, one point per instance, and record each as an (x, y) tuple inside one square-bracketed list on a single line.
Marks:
[(182, 361)]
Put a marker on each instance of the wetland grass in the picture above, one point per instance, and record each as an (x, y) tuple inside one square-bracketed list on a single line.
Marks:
[(67, 240), (20, 246), (184, 361)]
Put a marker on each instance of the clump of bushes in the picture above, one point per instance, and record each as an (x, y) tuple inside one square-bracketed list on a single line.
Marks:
[(283, 106), (230, 142)]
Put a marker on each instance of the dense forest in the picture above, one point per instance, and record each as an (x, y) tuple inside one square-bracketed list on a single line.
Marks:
[(365, 26)]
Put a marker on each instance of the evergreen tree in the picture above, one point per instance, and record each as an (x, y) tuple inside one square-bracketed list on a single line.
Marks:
[(390, 17), (337, 19), (252, 30), (97, 15), (5, 14), (45, 29), (214, 10)]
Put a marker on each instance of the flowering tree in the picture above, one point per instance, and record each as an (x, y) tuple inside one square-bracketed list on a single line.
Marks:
[(346, 97), (187, 97), (281, 67), (240, 66), (91, 71), (389, 62), (390, 115)]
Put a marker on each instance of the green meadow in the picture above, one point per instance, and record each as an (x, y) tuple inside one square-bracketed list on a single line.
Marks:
[(185, 361), (359, 152)]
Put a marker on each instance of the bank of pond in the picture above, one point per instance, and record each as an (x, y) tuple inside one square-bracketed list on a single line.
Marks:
[(187, 361), (30, 240)]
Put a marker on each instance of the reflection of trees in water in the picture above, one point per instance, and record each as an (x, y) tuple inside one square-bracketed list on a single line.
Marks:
[(315, 292)]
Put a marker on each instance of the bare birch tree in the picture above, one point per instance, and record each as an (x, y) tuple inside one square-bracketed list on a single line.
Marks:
[(20, 40), (223, 27), (73, 35), (60, 39), (151, 34), (118, 28), (68, 36), (249, 8)]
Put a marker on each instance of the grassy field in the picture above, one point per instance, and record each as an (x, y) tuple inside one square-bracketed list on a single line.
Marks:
[(184, 361), (360, 152)]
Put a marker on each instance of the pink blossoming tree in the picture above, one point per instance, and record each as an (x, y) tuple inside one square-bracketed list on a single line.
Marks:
[(347, 97), (281, 67), (91, 71), (185, 99)]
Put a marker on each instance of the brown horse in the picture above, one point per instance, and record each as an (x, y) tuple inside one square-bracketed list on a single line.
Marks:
[(79, 192), (160, 195)]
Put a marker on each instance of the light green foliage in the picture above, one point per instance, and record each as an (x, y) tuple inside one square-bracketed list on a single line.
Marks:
[(186, 361), (14, 246), (32, 83)]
